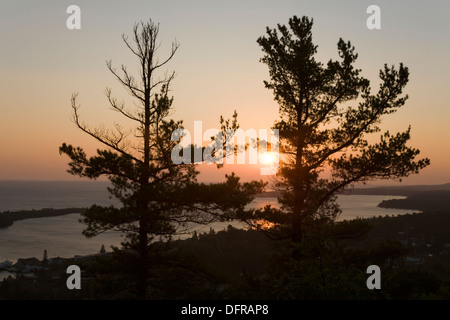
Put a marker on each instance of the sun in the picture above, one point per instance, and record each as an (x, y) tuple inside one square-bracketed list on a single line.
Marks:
[(268, 158)]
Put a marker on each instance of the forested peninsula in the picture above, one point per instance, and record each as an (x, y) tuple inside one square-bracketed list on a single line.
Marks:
[(7, 218)]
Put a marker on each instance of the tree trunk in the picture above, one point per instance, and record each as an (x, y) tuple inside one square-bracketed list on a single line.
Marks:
[(297, 219), (297, 229), (142, 276)]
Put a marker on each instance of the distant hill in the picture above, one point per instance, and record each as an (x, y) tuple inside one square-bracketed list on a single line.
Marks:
[(382, 191), (399, 190), (434, 200)]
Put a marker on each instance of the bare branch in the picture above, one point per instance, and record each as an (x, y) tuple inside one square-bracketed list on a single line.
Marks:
[(165, 81), (96, 134), (175, 46), (127, 43), (120, 108), (127, 81)]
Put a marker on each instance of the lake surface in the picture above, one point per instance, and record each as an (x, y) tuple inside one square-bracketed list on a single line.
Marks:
[(61, 236)]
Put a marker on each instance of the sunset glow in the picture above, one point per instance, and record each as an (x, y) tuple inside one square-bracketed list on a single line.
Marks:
[(268, 158), (222, 156), (211, 78)]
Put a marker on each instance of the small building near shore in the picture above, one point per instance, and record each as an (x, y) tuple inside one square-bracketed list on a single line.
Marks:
[(28, 265)]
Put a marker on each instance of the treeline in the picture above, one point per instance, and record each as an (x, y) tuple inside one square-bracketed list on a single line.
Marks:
[(240, 264), (7, 218), (429, 229)]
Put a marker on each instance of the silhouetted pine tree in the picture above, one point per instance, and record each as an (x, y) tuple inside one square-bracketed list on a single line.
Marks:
[(158, 197), (327, 111)]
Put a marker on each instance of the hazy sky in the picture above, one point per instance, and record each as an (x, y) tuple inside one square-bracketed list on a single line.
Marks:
[(217, 66)]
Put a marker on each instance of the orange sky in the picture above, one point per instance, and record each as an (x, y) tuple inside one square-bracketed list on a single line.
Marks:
[(217, 65)]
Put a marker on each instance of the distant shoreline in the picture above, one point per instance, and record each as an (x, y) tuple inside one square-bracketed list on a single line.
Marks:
[(424, 198), (379, 191), (438, 200), (8, 218)]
